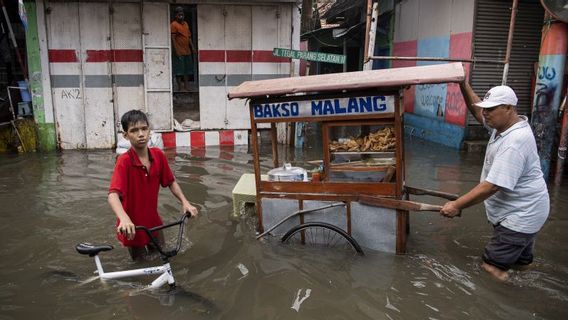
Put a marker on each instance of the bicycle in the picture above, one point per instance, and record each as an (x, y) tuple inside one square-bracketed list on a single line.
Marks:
[(164, 271)]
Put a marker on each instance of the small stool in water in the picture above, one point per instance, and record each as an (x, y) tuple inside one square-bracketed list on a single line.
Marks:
[(244, 192)]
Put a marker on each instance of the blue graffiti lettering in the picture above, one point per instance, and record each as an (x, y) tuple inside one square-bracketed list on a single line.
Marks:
[(546, 72)]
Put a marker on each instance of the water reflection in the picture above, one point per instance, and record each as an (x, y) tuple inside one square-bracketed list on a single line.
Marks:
[(52, 202)]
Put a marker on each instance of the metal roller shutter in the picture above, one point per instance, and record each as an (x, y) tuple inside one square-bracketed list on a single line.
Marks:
[(490, 42)]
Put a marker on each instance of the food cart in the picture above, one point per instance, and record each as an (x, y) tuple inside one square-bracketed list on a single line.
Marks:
[(355, 182)]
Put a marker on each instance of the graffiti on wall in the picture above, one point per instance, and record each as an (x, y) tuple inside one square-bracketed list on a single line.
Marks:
[(545, 106), (455, 105), (73, 94), (430, 100)]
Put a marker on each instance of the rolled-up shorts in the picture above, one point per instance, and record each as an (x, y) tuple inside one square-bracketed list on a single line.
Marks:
[(182, 65), (509, 248)]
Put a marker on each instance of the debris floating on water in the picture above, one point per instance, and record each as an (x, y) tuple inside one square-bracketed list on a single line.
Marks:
[(298, 301)]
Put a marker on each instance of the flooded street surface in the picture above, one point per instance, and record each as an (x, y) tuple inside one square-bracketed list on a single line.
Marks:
[(51, 202)]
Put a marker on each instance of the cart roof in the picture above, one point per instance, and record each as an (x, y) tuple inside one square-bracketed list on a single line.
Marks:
[(351, 81)]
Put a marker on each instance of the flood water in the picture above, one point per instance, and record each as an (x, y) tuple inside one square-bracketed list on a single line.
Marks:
[(51, 202)]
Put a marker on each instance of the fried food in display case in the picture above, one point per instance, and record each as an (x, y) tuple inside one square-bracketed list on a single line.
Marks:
[(381, 140)]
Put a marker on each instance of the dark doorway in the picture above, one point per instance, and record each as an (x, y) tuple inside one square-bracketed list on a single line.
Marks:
[(185, 71)]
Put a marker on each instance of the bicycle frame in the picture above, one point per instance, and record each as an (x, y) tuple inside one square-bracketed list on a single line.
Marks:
[(164, 271)]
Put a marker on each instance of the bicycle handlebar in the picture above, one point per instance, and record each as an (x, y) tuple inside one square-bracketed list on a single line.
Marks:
[(168, 254)]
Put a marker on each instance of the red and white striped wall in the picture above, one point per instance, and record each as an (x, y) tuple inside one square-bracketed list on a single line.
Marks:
[(196, 139), (236, 47), (96, 68), (105, 59)]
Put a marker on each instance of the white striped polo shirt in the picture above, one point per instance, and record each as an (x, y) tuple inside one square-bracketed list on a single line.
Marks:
[(512, 163)]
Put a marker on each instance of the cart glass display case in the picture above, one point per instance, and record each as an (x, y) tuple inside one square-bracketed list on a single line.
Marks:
[(361, 151)]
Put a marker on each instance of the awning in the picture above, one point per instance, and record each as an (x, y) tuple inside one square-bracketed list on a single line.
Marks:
[(351, 81)]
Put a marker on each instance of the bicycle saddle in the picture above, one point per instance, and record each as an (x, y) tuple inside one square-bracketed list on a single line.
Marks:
[(92, 249)]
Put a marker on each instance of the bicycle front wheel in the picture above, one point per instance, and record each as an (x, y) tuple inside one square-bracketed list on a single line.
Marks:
[(321, 234)]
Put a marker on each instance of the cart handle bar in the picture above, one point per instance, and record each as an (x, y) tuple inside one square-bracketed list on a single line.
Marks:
[(171, 253)]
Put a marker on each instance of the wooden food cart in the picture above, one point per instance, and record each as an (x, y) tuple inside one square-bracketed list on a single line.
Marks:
[(359, 119)]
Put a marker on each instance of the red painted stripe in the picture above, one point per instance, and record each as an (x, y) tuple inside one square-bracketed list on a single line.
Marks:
[(211, 55), (128, 55), (266, 56), (169, 139), (240, 56), (117, 55), (226, 138), (62, 55), (98, 55), (197, 139)]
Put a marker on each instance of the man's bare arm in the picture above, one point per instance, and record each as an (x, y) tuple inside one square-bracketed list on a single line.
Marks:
[(479, 193), (470, 98)]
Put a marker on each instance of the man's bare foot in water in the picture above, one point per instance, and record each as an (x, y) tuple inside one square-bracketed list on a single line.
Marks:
[(496, 272)]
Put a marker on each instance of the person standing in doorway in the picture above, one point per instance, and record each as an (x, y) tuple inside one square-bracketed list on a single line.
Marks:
[(183, 50), (511, 184)]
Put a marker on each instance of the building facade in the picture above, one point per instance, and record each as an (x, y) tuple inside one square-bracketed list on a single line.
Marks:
[(98, 60)]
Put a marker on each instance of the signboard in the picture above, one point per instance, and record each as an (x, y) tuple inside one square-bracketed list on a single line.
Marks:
[(337, 107), (309, 55)]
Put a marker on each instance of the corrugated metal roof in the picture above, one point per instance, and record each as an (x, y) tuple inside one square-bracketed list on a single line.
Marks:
[(351, 81)]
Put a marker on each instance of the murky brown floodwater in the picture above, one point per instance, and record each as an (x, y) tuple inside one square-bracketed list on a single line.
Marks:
[(51, 202)]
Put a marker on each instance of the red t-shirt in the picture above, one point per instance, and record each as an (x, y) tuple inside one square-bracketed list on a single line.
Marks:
[(138, 190)]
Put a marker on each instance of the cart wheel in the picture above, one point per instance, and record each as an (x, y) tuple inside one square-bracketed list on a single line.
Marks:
[(321, 234)]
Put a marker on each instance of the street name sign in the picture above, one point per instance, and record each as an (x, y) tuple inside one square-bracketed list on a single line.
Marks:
[(309, 55)]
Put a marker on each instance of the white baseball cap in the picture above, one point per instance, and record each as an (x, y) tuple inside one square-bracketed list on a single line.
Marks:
[(497, 96)]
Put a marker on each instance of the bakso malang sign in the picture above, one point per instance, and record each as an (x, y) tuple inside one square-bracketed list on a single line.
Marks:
[(324, 107)]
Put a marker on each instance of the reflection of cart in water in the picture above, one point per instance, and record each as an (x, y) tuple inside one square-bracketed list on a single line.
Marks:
[(356, 189)]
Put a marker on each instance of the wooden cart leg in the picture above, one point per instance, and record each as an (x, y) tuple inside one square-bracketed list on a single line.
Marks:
[(407, 197), (401, 235)]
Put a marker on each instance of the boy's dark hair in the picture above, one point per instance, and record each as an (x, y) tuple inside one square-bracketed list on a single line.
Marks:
[(132, 117)]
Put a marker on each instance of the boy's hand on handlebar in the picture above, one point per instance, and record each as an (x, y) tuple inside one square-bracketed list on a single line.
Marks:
[(127, 228), (189, 210)]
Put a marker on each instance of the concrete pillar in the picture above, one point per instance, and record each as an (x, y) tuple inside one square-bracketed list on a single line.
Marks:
[(548, 89), (43, 112)]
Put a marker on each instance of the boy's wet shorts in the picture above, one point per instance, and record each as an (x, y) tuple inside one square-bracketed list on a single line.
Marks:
[(508, 248)]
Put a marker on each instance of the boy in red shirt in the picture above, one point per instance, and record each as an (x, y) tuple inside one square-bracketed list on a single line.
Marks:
[(135, 184)]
